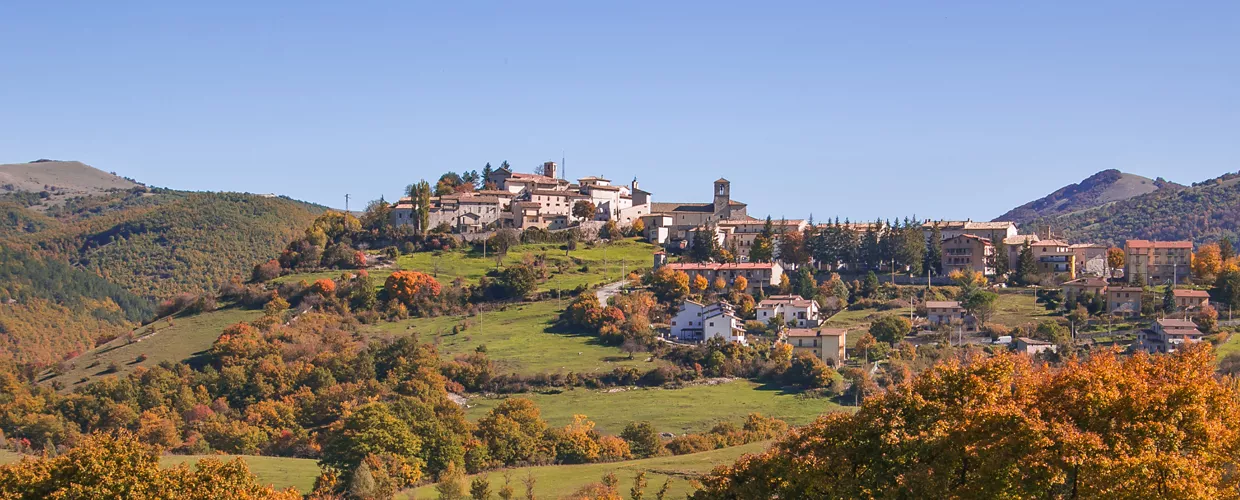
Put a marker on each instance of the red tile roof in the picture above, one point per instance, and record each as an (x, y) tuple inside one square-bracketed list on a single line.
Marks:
[(1158, 244), (714, 266), (821, 332), (1200, 294)]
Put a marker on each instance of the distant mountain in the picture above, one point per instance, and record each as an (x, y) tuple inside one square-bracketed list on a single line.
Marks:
[(1099, 189), (1203, 212), (59, 180)]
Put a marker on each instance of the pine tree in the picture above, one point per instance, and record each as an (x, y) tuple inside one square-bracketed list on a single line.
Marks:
[(1226, 249), (934, 252), (1168, 304), (362, 485), (451, 484), (480, 488), (486, 175), (1026, 268), (1001, 258)]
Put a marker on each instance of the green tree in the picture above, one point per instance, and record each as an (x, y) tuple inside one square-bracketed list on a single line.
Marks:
[(1168, 299), (451, 485), (518, 280), (1226, 291), (372, 430), (869, 287), (643, 440), (704, 245), (890, 328), (808, 371), (420, 194), (981, 304), (1001, 258), (803, 283), (762, 250), (911, 248), (1026, 267), (480, 488), (1226, 249)]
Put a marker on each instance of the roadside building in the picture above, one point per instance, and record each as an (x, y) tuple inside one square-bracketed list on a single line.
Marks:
[(1033, 346), (825, 343)]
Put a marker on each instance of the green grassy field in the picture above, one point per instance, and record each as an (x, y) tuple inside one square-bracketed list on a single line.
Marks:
[(7, 457), (1016, 309), (691, 409), (1232, 345), (606, 263), (859, 321), (517, 340), (279, 472), (178, 341), (557, 481)]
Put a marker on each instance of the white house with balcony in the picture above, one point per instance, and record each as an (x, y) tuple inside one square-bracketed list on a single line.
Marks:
[(799, 311), (696, 322)]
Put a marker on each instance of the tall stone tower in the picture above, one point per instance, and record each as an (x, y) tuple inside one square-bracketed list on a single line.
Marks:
[(549, 169), (723, 197)]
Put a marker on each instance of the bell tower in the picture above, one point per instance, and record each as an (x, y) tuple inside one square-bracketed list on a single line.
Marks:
[(723, 197)]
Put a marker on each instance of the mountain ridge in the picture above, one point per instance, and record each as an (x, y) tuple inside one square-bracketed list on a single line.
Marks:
[(1101, 188)]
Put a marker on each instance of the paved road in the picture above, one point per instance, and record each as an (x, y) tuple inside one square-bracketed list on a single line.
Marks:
[(608, 291)]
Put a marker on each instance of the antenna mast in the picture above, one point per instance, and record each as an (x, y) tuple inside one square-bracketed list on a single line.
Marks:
[(346, 202)]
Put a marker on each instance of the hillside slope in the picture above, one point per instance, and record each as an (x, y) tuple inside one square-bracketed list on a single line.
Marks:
[(59, 179), (1203, 212), (1099, 189)]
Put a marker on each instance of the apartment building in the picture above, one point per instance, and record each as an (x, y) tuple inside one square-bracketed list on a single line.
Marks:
[(1157, 262), (801, 312), (825, 343), (966, 252), (759, 275), (1054, 258)]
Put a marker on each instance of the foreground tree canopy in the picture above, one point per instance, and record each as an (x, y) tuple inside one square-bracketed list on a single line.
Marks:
[(1005, 427)]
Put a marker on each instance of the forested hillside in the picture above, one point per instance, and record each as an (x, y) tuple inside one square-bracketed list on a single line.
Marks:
[(159, 243), (1204, 212), (93, 267)]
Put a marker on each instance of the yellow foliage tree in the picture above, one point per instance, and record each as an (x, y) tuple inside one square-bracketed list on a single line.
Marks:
[(699, 284), (740, 284), (1207, 262)]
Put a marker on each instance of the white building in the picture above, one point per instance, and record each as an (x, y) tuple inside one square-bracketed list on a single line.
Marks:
[(695, 322), (1167, 335), (801, 312)]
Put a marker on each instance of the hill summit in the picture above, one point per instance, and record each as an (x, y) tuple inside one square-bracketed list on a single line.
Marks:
[(60, 179), (1099, 189)]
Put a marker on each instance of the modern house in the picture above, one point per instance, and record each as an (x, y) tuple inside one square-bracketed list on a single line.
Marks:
[(1167, 335), (759, 275), (696, 322), (1073, 289), (944, 311), (1190, 300), (1124, 300), (1054, 258), (826, 343), (1157, 262), (801, 312), (966, 252)]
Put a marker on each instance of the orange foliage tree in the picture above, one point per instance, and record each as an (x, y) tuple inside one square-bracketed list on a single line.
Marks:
[(407, 286), (1207, 263), (1143, 426)]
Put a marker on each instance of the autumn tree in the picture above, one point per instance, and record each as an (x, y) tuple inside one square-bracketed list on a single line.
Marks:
[(1207, 263), (374, 430), (699, 284), (668, 285), (1115, 259), (740, 284), (1029, 430), (643, 440), (584, 209), (1206, 318), (408, 287)]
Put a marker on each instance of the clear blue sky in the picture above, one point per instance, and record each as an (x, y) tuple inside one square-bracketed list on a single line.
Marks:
[(857, 109)]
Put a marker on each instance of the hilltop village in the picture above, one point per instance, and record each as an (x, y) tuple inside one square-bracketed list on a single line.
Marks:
[(716, 245)]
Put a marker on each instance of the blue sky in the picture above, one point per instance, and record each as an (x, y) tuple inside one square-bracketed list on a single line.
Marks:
[(866, 109)]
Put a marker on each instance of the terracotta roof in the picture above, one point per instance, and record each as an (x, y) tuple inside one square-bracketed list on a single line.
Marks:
[(1050, 243), (988, 225), (714, 266), (1183, 292), (971, 237), (1126, 289), (1087, 245), (604, 188), (721, 179), (819, 332), (795, 300), (1158, 244), (945, 224), (1020, 239), (942, 304)]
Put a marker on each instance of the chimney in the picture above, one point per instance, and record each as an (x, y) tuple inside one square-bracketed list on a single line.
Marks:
[(549, 169)]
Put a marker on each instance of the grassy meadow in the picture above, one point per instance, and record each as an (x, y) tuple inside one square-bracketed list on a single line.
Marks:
[(694, 408), (518, 340), (279, 472), (584, 266), (558, 481), (163, 340)]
